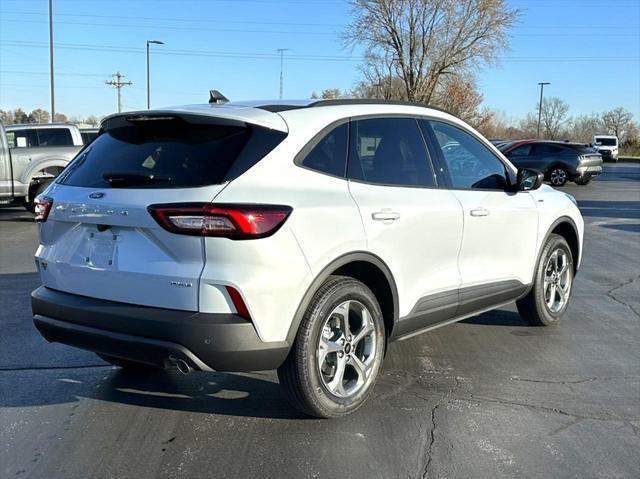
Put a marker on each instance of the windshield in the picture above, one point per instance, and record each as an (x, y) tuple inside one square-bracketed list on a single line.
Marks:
[(606, 141), (169, 155)]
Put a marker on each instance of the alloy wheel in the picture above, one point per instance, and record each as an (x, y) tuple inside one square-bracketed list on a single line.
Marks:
[(346, 349), (558, 177), (557, 280)]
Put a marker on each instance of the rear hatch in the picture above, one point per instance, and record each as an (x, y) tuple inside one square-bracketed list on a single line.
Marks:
[(587, 156), (100, 240)]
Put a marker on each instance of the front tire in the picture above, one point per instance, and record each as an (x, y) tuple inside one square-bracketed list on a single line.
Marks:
[(547, 302), (335, 360), (558, 176)]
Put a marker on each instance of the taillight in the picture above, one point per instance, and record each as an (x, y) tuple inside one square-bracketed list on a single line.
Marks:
[(241, 221), (42, 207)]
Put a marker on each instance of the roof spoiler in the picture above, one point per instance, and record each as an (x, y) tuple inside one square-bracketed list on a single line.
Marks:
[(216, 97)]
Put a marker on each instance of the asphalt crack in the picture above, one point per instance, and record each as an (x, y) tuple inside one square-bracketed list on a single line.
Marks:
[(618, 300)]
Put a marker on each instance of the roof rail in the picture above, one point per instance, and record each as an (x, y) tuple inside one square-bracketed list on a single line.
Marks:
[(373, 101)]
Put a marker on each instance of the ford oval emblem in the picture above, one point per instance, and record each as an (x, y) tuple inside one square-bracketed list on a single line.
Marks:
[(97, 195)]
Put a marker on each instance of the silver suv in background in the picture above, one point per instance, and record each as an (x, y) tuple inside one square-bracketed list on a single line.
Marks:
[(31, 156)]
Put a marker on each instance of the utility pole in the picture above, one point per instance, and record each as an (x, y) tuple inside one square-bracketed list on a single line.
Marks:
[(118, 83), (53, 101), (281, 52), (542, 85), (149, 42)]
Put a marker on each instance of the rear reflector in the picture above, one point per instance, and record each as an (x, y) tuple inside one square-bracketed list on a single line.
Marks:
[(240, 221), (238, 303), (42, 208)]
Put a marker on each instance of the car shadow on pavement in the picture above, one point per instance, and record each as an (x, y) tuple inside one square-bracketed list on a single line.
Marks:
[(498, 317), (610, 209), (629, 228), (246, 395)]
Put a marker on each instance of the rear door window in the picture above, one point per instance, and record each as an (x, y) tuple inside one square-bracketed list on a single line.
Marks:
[(329, 155), (54, 137), (523, 150), (545, 150), (22, 138), (169, 154), (389, 151)]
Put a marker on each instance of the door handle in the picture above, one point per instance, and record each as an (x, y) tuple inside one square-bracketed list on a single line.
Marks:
[(480, 211), (385, 215)]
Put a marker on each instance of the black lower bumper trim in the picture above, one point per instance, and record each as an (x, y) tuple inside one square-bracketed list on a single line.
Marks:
[(223, 342)]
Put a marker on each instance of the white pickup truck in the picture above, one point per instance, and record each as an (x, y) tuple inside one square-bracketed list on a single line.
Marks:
[(31, 156)]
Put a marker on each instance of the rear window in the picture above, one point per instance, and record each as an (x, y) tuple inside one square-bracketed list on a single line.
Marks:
[(169, 154), (54, 137), (581, 149)]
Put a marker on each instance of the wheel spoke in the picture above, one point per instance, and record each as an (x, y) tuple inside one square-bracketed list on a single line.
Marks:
[(336, 385), (361, 368), (552, 296), (365, 330), (327, 347), (343, 311), (561, 293)]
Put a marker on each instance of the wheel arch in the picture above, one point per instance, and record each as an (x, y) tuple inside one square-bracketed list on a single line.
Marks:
[(565, 227), (32, 172), (365, 267)]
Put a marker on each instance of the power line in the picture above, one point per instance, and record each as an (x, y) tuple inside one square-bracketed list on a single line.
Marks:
[(295, 57), (118, 84)]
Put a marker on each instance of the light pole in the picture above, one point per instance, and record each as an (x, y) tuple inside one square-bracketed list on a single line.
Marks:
[(149, 42), (542, 84), (281, 52), (53, 101)]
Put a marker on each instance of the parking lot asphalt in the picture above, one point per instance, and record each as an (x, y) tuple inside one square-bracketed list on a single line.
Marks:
[(490, 397)]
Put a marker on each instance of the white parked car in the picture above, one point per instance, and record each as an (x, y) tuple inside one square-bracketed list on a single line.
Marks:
[(302, 236), (607, 146)]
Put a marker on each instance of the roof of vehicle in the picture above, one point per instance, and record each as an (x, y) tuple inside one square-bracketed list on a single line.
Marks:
[(546, 142), (605, 136), (25, 126), (268, 113)]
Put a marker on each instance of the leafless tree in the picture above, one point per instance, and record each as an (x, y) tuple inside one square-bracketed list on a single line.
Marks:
[(618, 122), (555, 116), (583, 128), (423, 40)]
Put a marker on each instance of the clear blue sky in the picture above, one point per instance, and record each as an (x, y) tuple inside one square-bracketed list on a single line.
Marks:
[(588, 49)]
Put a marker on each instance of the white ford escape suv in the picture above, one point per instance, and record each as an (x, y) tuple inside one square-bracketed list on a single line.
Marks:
[(302, 236)]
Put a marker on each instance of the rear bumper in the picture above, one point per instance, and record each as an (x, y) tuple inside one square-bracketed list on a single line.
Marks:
[(205, 341), (585, 172)]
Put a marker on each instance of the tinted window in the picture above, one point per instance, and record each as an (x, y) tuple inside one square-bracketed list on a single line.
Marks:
[(389, 151), (22, 138), (470, 163), (88, 136), (330, 154), (522, 150), (169, 154), (546, 150), (54, 137), (606, 141)]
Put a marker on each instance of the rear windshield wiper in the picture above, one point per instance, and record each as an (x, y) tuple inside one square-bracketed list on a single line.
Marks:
[(127, 179)]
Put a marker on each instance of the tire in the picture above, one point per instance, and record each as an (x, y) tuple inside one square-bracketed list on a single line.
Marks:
[(331, 386), (558, 176), (34, 190), (536, 307), (129, 366), (583, 182)]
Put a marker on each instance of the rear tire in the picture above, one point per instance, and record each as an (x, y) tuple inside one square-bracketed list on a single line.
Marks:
[(558, 176), (583, 182), (129, 366), (338, 351), (547, 302)]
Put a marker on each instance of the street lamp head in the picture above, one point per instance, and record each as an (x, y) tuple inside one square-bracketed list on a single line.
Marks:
[(155, 42)]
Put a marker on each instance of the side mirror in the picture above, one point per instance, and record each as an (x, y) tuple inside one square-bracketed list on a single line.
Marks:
[(529, 180)]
